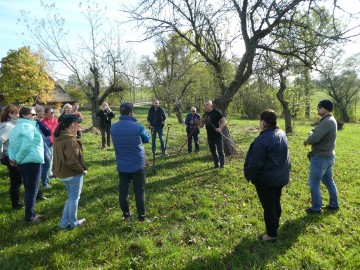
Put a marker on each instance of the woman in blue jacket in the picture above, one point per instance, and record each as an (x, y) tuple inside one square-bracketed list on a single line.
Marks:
[(26, 152), (267, 166)]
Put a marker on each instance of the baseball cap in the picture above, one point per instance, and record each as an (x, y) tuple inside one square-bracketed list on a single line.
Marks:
[(126, 108)]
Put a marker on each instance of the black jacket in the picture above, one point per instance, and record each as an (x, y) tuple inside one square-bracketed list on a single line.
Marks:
[(156, 117), (267, 161), (104, 117)]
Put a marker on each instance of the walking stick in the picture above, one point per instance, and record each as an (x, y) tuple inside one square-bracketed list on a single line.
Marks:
[(153, 134), (167, 135)]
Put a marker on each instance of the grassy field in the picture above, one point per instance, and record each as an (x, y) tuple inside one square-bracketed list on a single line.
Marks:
[(202, 218)]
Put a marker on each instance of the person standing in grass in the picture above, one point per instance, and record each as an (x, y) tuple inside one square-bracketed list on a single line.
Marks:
[(214, 122), (128, 137), (156, 120), (105, 115), (267, 166), (51, 122), (9, 116), (26, 152), (322, 158), (69, 166), (192, 129)]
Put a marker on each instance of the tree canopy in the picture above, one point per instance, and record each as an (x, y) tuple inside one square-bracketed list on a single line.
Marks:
[(24, 78)]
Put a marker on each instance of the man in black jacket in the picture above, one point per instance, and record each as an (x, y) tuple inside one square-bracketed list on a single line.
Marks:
[(156, 121)]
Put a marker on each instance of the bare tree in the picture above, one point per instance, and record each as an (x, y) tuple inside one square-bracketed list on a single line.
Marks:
[(96, 61), (219, 30)]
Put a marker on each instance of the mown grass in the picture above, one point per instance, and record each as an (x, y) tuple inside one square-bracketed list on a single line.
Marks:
[(202, 218)]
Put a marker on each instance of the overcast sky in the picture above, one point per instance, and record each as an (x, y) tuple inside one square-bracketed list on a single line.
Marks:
[(13, 35)]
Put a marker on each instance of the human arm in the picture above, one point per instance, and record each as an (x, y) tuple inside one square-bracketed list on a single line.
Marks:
[(222, 124), (255, 160), (73, 153), (145, 137)]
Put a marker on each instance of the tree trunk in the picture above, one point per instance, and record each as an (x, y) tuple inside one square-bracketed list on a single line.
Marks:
[(307, 94), (344, 114), (284, 103), (178, 113)]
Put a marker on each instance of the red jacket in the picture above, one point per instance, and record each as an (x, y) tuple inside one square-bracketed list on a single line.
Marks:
[(51, 124)]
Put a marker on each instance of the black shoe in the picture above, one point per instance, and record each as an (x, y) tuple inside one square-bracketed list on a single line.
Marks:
[(18, 206), (311, 211), (267, 239), (333, 208), (221, 166)]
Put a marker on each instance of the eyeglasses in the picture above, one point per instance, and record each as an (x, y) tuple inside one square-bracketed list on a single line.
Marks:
[(319, 107), (192, 111), (33, 114), (52, 112)]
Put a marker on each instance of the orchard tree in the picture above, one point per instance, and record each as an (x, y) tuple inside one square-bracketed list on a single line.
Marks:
[(23, 77), (97, 60), (226, 30)]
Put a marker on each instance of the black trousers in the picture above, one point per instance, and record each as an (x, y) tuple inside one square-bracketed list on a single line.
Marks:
[(217, 151), (105, 132), (270, 201), (15, 182), (138, 179)]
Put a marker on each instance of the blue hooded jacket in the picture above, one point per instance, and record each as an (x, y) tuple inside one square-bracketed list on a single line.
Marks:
[(128, 137)]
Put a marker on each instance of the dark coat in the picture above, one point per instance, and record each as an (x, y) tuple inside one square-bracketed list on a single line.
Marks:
[(267, 161), (105, 118), (156, 117)]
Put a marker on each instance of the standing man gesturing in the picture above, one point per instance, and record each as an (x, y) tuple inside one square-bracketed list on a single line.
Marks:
[(214, 122), (156, 121)]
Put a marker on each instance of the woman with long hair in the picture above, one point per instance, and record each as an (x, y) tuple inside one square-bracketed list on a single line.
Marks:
[(26, 152), (105, 115), (69, 166), (8, 118), (67, 109)]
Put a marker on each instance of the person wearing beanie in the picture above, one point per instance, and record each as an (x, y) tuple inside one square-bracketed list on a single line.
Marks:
[(322, 158), (267, 166), (128, 137)]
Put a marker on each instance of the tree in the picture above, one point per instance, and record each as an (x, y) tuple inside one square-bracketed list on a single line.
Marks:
[(341, 82), (98, 59), (23, 78), (236, 29)]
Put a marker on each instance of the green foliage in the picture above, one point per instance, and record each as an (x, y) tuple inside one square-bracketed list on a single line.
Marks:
[(24, 78), (203, 218)]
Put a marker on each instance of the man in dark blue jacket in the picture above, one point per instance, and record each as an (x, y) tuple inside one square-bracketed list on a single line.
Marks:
[(192, 129), (156, 121), (128, 137)]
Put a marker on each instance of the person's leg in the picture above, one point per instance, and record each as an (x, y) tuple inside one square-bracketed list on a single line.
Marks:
[(15, 183), (267, 197), (30, 173), (50, 174), (196, 141), (108, 136), (124, 184), (65, 218), (328, 181), (220, 151), (189, 142), (278, 204), (102, 137), (153, 140), (212, 147), (318, 167), (75, 186), (161, 138), (139, 191), (45, 167)]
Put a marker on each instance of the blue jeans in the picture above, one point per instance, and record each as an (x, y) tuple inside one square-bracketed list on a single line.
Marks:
[(159, 131), (30, 174), (45, 168), (321, 170), (138, 179), (73, 186), (194, 136), (217, 151)]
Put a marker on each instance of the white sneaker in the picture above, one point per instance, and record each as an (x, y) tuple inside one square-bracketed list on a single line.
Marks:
[(81, 222)]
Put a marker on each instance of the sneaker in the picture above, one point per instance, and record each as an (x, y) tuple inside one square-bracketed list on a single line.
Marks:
[(47, 187), (146, 220), (127, 218), (333, 208), (311, 211), (267, 239), (81, 222), (35, 220), (18, 206)]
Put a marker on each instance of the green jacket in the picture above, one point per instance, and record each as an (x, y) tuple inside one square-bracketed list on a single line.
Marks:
[(323, 137)]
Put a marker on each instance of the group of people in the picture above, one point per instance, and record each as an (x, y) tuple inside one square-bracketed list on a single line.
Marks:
[(24, 147)]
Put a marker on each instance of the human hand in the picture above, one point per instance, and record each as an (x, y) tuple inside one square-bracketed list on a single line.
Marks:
[(13, 163)]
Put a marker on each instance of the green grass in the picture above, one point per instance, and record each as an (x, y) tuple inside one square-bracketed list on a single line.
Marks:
[(203, 218)]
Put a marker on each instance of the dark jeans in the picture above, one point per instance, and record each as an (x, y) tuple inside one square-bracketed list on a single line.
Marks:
[(30, 173), (138, 179), (45, 168), (270, 201), (15, 182), (105, 131), (159, 131), (217, 151), (194, 136)]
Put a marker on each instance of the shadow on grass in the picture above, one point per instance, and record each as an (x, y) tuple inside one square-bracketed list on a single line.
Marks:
[(250, 253)]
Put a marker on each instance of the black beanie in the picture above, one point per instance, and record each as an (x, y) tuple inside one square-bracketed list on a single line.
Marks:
[(126, 108), (327, 104)]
